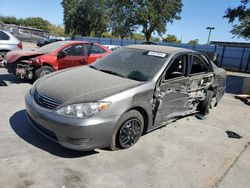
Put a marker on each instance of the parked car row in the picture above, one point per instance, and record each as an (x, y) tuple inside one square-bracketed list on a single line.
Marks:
[(43, 42)]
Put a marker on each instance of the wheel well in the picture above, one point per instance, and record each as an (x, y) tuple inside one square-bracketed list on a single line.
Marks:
[(4, 50), (144, 115), (47, 64)]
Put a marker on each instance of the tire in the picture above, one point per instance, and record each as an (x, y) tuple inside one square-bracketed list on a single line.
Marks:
[(204, 105), (44, 70), (130, 121)]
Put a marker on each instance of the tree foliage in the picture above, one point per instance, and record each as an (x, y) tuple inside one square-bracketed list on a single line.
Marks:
[(153, 15), (171, 38), (37, 22), (120, 17), (194, 42), (84, 17), (11, 20), (241, 14)]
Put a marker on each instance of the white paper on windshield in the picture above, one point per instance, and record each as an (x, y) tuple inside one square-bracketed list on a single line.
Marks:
[(157, 54)]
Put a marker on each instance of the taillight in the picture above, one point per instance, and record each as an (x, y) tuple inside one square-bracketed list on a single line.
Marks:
[(20, 45)]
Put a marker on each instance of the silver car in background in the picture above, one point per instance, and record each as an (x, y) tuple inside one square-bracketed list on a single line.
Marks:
[(132, 91), (8, 42)]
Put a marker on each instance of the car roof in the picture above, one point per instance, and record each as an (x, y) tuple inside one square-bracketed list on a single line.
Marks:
[(158, 48)]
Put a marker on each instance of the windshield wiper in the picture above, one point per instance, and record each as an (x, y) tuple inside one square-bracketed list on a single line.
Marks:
[(112, 72)]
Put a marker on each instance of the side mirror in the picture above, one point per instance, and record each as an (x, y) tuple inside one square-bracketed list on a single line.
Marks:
[(61, 54)]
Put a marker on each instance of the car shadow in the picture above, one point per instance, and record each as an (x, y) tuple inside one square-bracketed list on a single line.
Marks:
[(22, 127), (13, 79)]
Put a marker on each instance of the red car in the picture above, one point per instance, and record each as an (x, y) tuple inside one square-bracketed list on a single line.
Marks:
[(53, 57)]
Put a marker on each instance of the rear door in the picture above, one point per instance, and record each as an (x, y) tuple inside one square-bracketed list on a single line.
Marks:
[(199, 73), (74, 57), (96, 52), (171, 95)]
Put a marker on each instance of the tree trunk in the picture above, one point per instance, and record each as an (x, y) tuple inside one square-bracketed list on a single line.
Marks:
[(148, 35)]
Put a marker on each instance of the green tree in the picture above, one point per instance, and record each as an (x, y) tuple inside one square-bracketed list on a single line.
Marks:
[(37, 22), (241, 14), (153, 15), (84, 17), (122, 17), (56, 29), (171, 38), (11, 20), (69, 11), (137, 36), (194, 42)]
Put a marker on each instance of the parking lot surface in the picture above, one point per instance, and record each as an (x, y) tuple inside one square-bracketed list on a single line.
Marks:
[(186, 153)]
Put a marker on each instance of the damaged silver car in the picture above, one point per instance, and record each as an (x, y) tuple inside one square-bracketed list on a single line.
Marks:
[(132, 91)]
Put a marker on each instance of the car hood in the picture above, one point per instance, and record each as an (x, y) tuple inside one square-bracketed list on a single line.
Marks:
[(17, 54), (82, 84)]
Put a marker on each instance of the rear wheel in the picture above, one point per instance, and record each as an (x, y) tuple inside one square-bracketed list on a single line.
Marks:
[(205, 105), (128, 131), (44, 70)]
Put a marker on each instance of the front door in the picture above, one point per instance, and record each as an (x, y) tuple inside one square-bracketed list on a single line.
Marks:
[(74, 57), (171, 95)]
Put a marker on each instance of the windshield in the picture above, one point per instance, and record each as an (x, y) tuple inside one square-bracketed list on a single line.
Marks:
[(51, 47), (136, 64)]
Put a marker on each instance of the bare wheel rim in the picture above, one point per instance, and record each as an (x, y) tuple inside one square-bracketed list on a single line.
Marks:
[(2, 56), (129, 133)]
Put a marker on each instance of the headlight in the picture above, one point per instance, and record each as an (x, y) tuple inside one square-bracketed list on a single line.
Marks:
[(82, 110)]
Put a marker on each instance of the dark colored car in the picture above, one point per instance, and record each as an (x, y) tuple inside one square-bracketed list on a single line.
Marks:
[(44, 42), (53, 57), (134, 90)]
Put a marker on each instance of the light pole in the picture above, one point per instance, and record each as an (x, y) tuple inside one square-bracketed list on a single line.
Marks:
[(210, 29)]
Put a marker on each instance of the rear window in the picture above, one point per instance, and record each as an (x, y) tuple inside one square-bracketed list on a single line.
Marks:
[(51, 47), (4, 36)]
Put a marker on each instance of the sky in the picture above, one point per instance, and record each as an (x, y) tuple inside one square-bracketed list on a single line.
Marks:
[(196, 15)]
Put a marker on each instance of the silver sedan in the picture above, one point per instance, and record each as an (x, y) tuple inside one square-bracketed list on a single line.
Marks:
[(134, 90)]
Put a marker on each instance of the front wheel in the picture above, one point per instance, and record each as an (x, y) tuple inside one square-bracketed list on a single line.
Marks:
[(128, 131), (44, 70), (204, 105)]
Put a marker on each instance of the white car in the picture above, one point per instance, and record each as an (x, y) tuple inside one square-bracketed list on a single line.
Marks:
[(8, 42), (112, 47)]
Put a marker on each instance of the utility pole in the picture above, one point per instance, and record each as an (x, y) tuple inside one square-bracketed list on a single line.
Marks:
[(209, 34)]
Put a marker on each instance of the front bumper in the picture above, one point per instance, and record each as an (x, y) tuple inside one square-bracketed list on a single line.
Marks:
[(77, 134)]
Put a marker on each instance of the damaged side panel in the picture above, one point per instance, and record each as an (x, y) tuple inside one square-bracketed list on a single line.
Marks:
[(25, 65), (179, 97), (170, 99)]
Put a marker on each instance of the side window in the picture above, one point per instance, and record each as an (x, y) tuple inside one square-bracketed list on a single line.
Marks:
[(97, 50), (199, 65), (76, 50), (177, 67), (4, 36)]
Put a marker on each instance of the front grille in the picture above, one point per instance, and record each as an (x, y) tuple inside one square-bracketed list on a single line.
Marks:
[(44, 101)]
